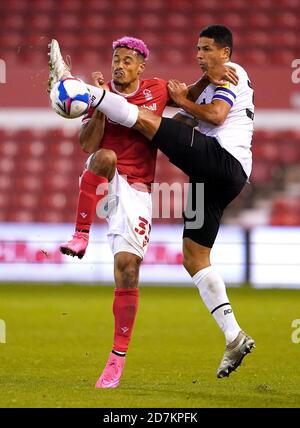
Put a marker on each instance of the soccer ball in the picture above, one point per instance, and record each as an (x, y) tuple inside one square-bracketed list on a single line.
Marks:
[(70, 98)]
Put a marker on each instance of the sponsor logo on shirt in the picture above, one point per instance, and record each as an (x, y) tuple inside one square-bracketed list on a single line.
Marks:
[(152, 107)]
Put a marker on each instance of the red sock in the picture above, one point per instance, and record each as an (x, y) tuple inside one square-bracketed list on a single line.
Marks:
[(125, 308), (87, 200)]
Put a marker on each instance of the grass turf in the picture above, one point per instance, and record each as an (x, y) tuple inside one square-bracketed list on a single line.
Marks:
[(59, 337)]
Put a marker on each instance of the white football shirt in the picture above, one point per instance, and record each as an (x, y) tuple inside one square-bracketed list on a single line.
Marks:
[(235, 134)]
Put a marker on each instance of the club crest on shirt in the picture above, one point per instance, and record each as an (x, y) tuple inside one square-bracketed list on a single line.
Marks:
[(148, 94)]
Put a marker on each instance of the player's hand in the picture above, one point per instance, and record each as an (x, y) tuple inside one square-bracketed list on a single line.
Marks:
[(222, 74), (177, 91), (98, 80)]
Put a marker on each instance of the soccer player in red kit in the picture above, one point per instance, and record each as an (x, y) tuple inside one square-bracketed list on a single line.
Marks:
[(117, 180), (118, 152)]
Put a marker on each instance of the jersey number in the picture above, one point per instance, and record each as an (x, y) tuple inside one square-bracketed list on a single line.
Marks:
[(143, 228)]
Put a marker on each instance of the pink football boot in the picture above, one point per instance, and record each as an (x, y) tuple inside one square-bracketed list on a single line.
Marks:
[(76, 246), (112, 372)]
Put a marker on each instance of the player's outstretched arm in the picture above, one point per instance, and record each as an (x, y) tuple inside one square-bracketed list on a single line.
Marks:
[(214, 112), (196, 89)]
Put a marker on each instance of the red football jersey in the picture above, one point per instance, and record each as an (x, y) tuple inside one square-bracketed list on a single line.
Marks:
[(136, 155)]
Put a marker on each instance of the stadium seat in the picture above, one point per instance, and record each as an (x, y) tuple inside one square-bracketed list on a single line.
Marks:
[(43, 5), (94, 40), (27, 201), (95, 22), (124, 23), (58, 182), (267, 151), (289, 5), (173, 56), (178, 40), (68, 22), (11, 40), (69, 40), (201, 20), (29, 183), (290, 153), (64, 148), (152, 40), (30, 166), (150, 21), (285, 211), (50, 217), (94, 6), (232, 20), (40, 22), (70, 6), (34, 149), (261, 172), (286, 21), (91, 57), (262, 5), (285, 219), (55, 200), (7, 165), (5, 183), (256, 39), (8, 148), (261, 21), (285, 39), (236, 6), (15, 6), (210, 7), (153, 5), (15, 22), (259, 57), (128, 6), (21, 216), (176, 21)]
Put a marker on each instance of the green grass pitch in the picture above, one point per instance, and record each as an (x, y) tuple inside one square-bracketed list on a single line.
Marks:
[(59, 337)]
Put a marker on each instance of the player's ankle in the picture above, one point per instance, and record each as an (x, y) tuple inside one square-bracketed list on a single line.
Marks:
[(82, 230), (119, 353)]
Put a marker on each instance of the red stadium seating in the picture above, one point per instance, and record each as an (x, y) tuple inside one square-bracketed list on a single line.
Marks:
[(259, 21), (13, 22), (40, 171), (85, 26), (286, 212)]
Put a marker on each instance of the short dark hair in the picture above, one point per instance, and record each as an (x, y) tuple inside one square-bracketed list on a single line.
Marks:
[(221, 35)]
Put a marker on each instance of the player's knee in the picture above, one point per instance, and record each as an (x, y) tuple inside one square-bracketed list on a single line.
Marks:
[(187, 263), (147, 123), (193, 264), (127, 270), (103, 160)]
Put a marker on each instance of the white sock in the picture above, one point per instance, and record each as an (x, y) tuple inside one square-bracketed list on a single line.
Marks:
[(213, 293), (115, 107)]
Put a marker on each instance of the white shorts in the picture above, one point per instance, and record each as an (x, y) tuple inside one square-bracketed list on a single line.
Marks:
[(128, 213)]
